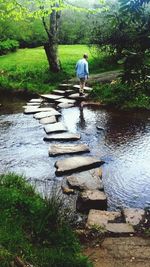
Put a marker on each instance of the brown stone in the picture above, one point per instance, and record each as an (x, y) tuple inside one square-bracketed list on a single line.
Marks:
[(119, 228), (91, 199), (101, 218), (133, 216), (60, 149)]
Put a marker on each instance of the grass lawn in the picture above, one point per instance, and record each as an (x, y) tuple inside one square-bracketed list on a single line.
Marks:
[(28, 68)]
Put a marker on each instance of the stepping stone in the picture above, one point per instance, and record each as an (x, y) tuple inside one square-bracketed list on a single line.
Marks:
[(56, 127), (32, 110), (59, 92), (88, 180), (69, 91), (60, 149), (102, 218), (62, 137), (48, 120), (76, 164), (32, 106), (91, 199), (37, 100), (120, 228), (51, 97), (65, 105), (66, 100), (41, 115), (77, 96), (65, 85), (133, 216), (86, 88)]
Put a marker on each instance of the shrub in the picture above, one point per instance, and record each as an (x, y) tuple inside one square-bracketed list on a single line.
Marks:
[(8, 46)]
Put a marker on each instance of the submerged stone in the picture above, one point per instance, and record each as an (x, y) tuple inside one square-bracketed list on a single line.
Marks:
[(60, 149), (62, 137), (56, 127), (76, 164), (91, 199)]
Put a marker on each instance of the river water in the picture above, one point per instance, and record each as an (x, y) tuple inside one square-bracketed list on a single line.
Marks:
[(123, 143)]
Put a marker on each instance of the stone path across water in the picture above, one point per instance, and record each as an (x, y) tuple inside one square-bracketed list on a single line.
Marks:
[(86, 175)]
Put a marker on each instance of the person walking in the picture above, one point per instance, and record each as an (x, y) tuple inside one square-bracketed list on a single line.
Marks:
[(82, 71)]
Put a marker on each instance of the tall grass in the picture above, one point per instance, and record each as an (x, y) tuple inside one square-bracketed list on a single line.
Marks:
[(28, 68)]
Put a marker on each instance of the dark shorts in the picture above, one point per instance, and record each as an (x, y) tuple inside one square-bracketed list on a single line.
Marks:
[(82, 80)]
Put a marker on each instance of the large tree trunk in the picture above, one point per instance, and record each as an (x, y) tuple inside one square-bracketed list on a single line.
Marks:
[(51, 47)]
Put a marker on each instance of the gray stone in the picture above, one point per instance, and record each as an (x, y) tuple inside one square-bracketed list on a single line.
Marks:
[(62, 137), (33, 110), (37, 100), (79, 163), (102, 218), (77, 96), (91, 199), (51, 97), (48, 120), (55, 127), (32, 106), (86, 88), (65, 85), (60, 149), (66, 100), (119, 228), (88, 180), (133, 216), (41, 115), (65, 105), (59, 92)]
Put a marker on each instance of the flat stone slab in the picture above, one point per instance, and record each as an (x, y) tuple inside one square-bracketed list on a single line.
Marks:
[(76, 164), (51, 97), (33, 110), (86, 88), (65, 85), (46, 114), (88, 180), (91, 199), (133, 216), (59, 92), (37, 100), (77, 96), (101, 218), (65, 105), (48, 120), (55, 127), (32, 106), (60, 149), (119, 228), (66, 100), (62, 137)]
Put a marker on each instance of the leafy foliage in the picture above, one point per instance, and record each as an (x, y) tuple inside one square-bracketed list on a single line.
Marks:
[(8, 46), (35, 229)]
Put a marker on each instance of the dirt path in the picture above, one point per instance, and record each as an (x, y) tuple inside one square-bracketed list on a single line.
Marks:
[(121, 252)]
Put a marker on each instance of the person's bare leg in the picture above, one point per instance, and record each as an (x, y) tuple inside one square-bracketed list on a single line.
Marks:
[(82, 85)]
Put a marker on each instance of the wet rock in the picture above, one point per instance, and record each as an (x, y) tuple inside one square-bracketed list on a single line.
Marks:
[(100, 128), (67, 190), (33, 104), (59, 92), (77, 96), (41, 115), (86, 88), (91, 199), (66, 100), (51, 97), (65, 105), (101, 218), (48, 120), (60, 149), (65, 85), (133, 216), (79, 163), (88, 180), (37, 100), (55, 127), (34, 109), (62, 137), (119, 228)]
